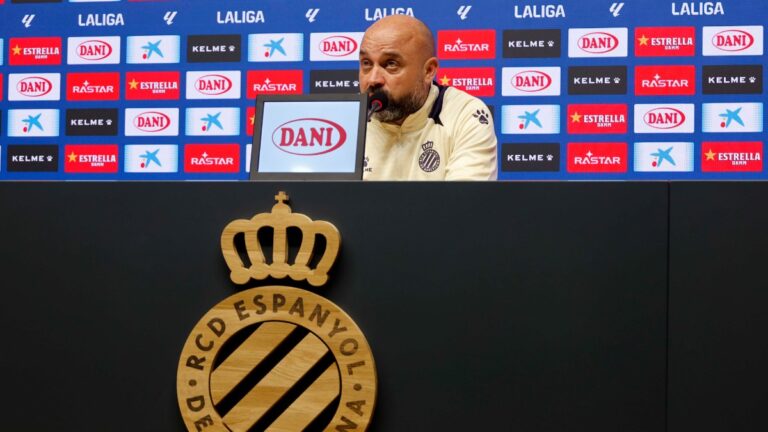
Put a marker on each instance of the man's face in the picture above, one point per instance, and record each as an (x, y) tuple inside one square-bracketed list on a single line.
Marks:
[(393, 64)]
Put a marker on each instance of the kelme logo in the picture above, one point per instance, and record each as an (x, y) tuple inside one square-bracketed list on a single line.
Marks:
[(309, 136)]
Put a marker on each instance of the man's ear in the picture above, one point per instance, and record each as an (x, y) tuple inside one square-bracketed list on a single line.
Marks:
[(430, 69)]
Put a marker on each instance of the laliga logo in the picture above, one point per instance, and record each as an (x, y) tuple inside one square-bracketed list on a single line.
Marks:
[(275, 357), (531, 81), (664, 118), (213, 84), (732, 40), (151, 121), (94, 50), (309, 136), (338, 46), (34, 86), (598, 42)]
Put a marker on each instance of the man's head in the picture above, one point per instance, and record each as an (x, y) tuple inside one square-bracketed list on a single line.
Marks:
[(397, 57)]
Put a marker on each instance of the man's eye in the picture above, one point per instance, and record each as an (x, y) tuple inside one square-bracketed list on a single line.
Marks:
[(392, 64)]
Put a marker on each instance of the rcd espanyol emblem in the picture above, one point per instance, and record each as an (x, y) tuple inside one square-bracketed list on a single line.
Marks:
[(277, 358), (430, 158)]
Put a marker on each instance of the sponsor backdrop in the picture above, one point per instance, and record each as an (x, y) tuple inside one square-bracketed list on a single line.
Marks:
[(587, 89)]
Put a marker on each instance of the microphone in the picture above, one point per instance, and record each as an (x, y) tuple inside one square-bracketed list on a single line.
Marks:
[(377, 102)]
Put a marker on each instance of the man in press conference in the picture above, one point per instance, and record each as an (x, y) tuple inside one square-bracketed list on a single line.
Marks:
[(419, 130)]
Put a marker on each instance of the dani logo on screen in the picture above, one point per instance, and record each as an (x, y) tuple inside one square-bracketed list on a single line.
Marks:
[(309, 136)]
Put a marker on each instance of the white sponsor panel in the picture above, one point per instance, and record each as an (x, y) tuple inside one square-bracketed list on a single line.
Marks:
[(664, 118), (732, 117), (663, 157), (275, 47), (597, 42), (151, 158), (530, 119), (248, 148), (2, 51), (32, 123), (335, 46), (530, 81), (158, 49), (152, 122), (212, 121), (93, 50), (213, 85), (732, 40), (34, 87)]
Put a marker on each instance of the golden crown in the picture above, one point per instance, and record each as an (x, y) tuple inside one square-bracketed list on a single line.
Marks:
[(280, 219)]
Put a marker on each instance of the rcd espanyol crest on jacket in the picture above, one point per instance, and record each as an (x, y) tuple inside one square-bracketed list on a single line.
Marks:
[(277, 358)]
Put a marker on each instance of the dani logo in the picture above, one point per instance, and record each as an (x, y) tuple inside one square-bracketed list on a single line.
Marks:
[(544, 81), (38, 87), (605, 42), (149, 122), (98, 50), (667, 118), (213, 85), (334, 46), (309, 136), (732, 41)]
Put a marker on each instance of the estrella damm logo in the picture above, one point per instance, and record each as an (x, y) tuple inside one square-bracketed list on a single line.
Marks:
[(277, 357)]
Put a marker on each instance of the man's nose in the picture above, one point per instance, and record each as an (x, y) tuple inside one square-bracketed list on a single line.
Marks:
[(375, 78)]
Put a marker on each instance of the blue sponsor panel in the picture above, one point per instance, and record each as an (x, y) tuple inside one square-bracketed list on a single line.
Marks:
[(144, 72)]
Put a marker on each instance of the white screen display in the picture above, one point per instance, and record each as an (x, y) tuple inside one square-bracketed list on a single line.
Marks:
[(309, 137)]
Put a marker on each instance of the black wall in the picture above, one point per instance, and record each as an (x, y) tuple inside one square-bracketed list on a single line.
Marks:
[(500, 306)]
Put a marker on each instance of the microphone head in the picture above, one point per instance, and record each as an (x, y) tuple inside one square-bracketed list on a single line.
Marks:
[(378, 101)]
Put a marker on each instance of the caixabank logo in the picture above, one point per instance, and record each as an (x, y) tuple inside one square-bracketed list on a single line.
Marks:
[(277, 357)]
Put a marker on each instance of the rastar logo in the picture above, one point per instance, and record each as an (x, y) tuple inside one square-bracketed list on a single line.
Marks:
[(603, 42), (213, 158), (665, 80), (90, 158), (466, 44), (93, 86), (309, 136), (667, 118), (732, 156), (338, 46), (93, 50), (665, 41), (151, 121), (608, 157), (274, 82), (597, 118), (34, 87), (152, 85), (475, 81), (732, 41), (38, 51), (213, 84)]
